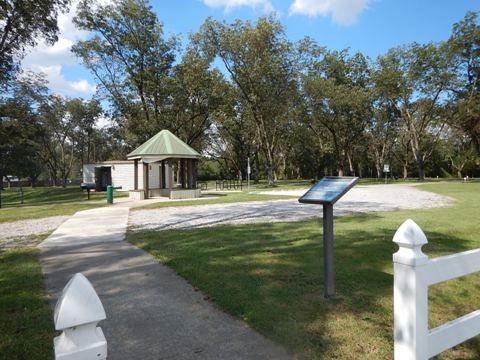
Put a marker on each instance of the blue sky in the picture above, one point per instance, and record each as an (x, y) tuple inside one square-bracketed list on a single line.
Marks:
[(369, 26)]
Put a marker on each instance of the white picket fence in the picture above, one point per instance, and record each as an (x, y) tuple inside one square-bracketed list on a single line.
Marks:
[(413, 274)]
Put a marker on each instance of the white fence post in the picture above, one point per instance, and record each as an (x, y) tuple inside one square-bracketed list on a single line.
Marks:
[(77, 313), (410, 294)]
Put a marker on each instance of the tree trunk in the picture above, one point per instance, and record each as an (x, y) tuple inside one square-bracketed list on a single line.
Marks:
[(270, 168), (421, 169), (256, 173), (378, 168), (405, 170), (350, 165), (270, 175), (459, 174)]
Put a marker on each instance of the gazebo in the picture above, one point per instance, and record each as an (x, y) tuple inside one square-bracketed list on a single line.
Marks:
[(177, 173)]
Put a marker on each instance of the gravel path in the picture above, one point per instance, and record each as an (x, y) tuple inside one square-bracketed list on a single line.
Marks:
[(26, 228), (361, 199)]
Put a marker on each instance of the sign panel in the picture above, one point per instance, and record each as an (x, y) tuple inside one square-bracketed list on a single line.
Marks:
[(328, 190), (386, 168)]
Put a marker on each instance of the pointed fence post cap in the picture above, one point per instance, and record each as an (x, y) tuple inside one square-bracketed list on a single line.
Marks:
[(410, 239), (78, 305)]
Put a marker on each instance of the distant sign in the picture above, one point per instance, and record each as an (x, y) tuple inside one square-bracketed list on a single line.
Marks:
[(386, 168), (328, 190)]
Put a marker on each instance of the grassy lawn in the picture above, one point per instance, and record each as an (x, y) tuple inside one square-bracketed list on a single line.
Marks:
[(270, 275), (26, 325), (217, 198), (48, 201)]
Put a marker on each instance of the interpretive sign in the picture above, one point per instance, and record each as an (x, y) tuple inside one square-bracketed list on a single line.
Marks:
[(327, 192)]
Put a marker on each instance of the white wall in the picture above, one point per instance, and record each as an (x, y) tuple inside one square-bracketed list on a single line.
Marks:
[(89, 173), (123, 175)]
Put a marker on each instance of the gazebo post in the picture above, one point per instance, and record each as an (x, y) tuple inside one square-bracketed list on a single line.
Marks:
[(145, 180), (182, 173), (190, 173), (163, 175), (194, 172), (135, 174), (171, 177)]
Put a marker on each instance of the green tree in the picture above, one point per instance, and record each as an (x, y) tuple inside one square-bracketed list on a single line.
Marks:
[(464, 48), (56, 139), (131, 61), (422, 80), (22, 24), (384, 129), (18, 127), (338, 99), (261, 63), (197, 93), (84, 116)]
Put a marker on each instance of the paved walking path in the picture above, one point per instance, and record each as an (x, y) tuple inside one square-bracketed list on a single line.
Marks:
[(152, 313)]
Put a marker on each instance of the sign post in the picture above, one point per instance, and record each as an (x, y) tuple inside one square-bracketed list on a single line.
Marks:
[(327, 192), (248, 173), (386, 170)]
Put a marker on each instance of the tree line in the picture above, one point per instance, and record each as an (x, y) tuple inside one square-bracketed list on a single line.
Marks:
[(243, 91)]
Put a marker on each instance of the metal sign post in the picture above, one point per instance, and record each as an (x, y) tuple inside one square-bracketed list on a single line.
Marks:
[(248, 173), (386, 170), (327, 192)]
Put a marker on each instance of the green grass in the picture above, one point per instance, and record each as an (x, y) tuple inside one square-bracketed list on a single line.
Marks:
[(48, 201), (217, 198), (271, 276), (307, 183), (26, 326), (50, 196)]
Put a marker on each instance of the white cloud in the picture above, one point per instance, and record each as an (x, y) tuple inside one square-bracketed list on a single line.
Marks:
[(229, 5), (50, 58), (344, 12), (58, 83)]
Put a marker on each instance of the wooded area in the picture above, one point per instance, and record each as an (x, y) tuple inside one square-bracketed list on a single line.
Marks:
[(241, 91)]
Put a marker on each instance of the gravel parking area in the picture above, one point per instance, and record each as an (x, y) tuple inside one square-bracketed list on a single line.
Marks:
[(361, 199)]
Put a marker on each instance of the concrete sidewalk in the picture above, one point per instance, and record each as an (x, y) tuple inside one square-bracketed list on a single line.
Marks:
[(152, 313), (105, 224)]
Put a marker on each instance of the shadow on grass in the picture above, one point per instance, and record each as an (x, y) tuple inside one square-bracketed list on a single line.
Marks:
[(271, 275), (26, 328)]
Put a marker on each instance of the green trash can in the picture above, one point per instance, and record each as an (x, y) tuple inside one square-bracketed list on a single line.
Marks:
[(109, 194)]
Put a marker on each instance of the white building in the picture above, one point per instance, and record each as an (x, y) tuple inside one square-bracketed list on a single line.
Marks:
[(121, 175)]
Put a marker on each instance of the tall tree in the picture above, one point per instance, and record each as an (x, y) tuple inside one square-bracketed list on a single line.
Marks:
[(131, 60), (422, 86), (84, 116), (384, 129), (196, 94), (338, 99), (18, 126), (22, 24), (464, 48), (261, 63), (56, 141)]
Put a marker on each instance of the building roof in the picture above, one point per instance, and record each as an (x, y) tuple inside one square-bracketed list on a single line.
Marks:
[(164, 145)]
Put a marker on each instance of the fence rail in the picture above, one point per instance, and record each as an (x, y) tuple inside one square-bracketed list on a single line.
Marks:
[(228, 185), (413, 274)]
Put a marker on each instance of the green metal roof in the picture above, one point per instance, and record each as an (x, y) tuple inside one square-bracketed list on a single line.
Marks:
[(164, 144)]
